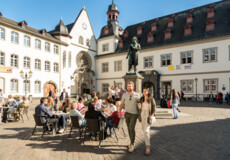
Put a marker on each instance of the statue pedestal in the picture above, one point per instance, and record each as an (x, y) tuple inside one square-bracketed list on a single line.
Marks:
[(136, 79)]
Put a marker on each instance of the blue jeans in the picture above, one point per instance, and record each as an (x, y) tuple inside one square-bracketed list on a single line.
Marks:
[(62, 120), (174, 107), (110, 125)]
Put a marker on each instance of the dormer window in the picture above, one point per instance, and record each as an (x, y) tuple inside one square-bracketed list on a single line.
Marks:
[(106, 30), (120, 43), (210, 25), (150, 37), (187, 30), (154, 27), (168, 33), (0, 15), (189, 18), (44, 32), (23, 24), (139, 31), (126, 34), (170, 23), (210, 13)]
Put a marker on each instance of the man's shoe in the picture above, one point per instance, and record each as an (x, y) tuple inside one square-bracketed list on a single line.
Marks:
[(131, 148), (61, 131)]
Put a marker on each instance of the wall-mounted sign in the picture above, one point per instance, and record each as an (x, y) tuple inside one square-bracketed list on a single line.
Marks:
[(4, 69)]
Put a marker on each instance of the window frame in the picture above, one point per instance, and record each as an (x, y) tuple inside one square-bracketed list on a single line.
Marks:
[(2, 30), (56, 49), (35, 64), (13, 40), (56, 67), (47, 46), (104, 90), (36, 44), (209, 54), (28, 87), (118, 69), (169, 54), (11, 89), (37, 87), (17, 59), (26, 40), (46, 66), (104, 48), (81, 40), (70, 59), (27, 63), (186, 52), (210, 85), (187, 80), (104, 71), (2, 54), (148, 61)]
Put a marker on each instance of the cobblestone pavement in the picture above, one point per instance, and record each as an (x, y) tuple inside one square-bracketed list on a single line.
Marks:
[(201, 133)]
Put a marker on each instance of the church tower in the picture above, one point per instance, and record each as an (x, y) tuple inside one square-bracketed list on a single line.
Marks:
[(110, 34)]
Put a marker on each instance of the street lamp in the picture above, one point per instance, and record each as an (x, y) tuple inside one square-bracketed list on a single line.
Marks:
[(196, 79), (26, 77)]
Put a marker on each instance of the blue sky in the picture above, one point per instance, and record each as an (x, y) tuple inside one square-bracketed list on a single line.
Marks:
[(46, 14)]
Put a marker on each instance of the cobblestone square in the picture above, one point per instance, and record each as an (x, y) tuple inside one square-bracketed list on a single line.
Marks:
[(201, 132)]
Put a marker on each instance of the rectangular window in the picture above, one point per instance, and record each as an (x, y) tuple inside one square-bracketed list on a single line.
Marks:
[(210, 85), (14, 37), (56, 67), (210, 55), (166, 59), (26, 86), (14, 85), (186, 57), (47, 47), (105, 47), (2, 58), (148, 62), (2, 33), (118, 66), (26, 62), (47, 66), (37, 64), (37, 87), (37, 44), (105, 67), (14, 61), (27, 41), (56, 50), (187, 85), (118, 84), (105, 87)]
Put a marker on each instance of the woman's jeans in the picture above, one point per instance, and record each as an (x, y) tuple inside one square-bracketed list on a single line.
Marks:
[(62, 120), (110, 125), (174, 107)]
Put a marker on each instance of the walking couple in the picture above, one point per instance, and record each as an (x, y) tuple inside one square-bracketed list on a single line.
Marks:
[(145, 111)]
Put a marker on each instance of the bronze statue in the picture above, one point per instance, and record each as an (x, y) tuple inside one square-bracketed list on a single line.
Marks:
[(133, 51)]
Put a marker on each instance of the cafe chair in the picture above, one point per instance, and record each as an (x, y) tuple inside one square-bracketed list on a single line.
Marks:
[(92, 126), (75, 124), (38, 122), (120, 126)]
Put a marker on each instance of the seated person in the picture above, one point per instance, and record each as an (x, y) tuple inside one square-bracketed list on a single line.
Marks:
[(65, 107), (114, 119), (42, 110), (75, 112), (9, 101), (93, 114), (50, 104), (13, 109), (80, 105), (21, 107), (110, 108), (97, 104), (106, 103)]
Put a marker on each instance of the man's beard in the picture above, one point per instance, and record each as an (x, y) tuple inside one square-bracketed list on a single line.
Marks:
[(130, 90)]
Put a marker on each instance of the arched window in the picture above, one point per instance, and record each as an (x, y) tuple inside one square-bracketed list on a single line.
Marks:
[(70, 59), (26, 64), (37, 64), (47, 66), (2, 58), (87, 42), (56, 67), (37, 87), (26, 85), (14, 60), (14, 85), (81, 40), (64, 59)]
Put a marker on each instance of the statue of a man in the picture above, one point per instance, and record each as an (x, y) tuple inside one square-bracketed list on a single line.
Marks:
[(133, 51)]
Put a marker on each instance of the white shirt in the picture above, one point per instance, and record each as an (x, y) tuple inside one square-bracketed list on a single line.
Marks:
[(111, 110)]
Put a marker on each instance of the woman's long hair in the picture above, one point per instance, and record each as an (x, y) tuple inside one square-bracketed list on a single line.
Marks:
[(174, 94), (143, 97), (91, 107), (50, 101)]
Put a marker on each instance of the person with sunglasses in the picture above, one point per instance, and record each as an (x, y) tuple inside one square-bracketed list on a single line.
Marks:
[(129, 101)]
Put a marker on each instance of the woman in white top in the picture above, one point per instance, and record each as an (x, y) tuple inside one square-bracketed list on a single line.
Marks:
[(75, 112), (147, 108), (111, 108), (174, 102)]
